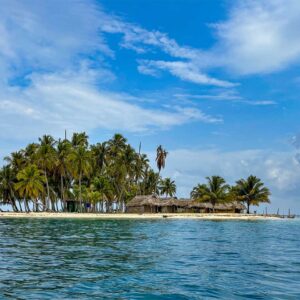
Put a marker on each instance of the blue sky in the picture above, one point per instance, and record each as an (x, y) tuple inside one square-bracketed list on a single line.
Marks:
[(215, 82)]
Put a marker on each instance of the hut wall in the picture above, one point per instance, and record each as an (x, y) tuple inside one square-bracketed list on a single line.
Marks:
[(135, 209), (168, 209), (147, 209), (183, 209), (224, 210)]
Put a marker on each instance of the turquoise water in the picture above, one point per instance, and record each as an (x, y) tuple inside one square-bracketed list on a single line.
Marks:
[(151, 259)]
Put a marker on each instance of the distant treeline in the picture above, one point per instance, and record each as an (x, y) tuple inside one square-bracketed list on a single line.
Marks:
[(44, 176)]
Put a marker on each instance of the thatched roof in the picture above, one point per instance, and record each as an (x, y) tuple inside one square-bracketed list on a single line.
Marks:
[(153, 200), (150, 200)]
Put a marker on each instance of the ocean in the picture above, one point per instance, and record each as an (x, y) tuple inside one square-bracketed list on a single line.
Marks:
[(149, 259)]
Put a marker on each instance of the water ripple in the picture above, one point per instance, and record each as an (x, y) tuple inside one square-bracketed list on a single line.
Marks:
[(149, 259)]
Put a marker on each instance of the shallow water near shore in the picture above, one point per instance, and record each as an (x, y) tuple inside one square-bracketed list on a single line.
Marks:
[(149, 259)]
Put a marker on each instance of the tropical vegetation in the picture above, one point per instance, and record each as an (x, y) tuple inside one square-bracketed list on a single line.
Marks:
[(102, 177), (45, 176), (250, 191)]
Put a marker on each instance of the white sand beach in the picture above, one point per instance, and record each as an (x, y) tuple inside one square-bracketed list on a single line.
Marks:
[(137, 216)]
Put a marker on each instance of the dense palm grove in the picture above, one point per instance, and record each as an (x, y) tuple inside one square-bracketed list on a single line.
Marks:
[(250, 191), (47, 174), (102, 177)]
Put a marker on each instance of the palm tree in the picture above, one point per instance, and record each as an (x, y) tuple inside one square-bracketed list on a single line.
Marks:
[(251, 191), (80, 140), (30, 184), (80, 160), (167, 187), (30, 152), (215, 191), (46, 157), (62, 154), (99, 156), (161, 155), (116, 145), (16, 160), (149, 184), (198, 191), (7, 181)]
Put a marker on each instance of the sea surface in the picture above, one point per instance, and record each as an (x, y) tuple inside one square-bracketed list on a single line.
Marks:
[(149, 259)]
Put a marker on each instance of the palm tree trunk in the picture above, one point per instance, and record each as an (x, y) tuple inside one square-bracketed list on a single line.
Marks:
[(157, 182), (13, 204), (36, 205), (27, 206), (63, 201), (80, 199), (20, 205), (48, 191), (248, 207)]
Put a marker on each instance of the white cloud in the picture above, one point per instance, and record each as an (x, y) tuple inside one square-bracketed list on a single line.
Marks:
[(260, 36), (55, 87), (52, 35), (141, 40), (224, 95), (279, 170), (73, 101), (184, 70), (138, 38)]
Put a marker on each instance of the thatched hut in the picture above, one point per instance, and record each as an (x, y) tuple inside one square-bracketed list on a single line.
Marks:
[(154, 204), (143, 204)]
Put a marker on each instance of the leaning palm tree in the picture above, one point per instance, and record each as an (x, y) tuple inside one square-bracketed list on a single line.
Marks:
[(30, 184), (7, 181), (161, 155), (214, 191), (80, 161), (251, 191), (167, 187)]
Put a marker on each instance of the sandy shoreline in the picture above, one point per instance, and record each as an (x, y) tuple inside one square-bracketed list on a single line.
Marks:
[(136, 216)]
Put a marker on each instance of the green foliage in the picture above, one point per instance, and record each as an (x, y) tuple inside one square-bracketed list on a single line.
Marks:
[(214, 191), (251, 191), (167, 187), (52, 172)]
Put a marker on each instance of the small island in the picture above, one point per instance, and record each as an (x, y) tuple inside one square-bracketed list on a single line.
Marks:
[(71, 178)]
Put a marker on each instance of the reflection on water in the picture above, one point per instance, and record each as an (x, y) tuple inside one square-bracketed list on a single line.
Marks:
[(149, 259)]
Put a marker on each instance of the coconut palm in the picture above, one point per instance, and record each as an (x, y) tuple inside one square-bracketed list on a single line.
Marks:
[(167, 187), (30, 184), (251, 191), (63, 151), (149, 184), (80, 161), (7, 181), (99, 156), (80, 139), (161, 155), (198, 191), (16, 160), (214, 191), (45, 160)]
